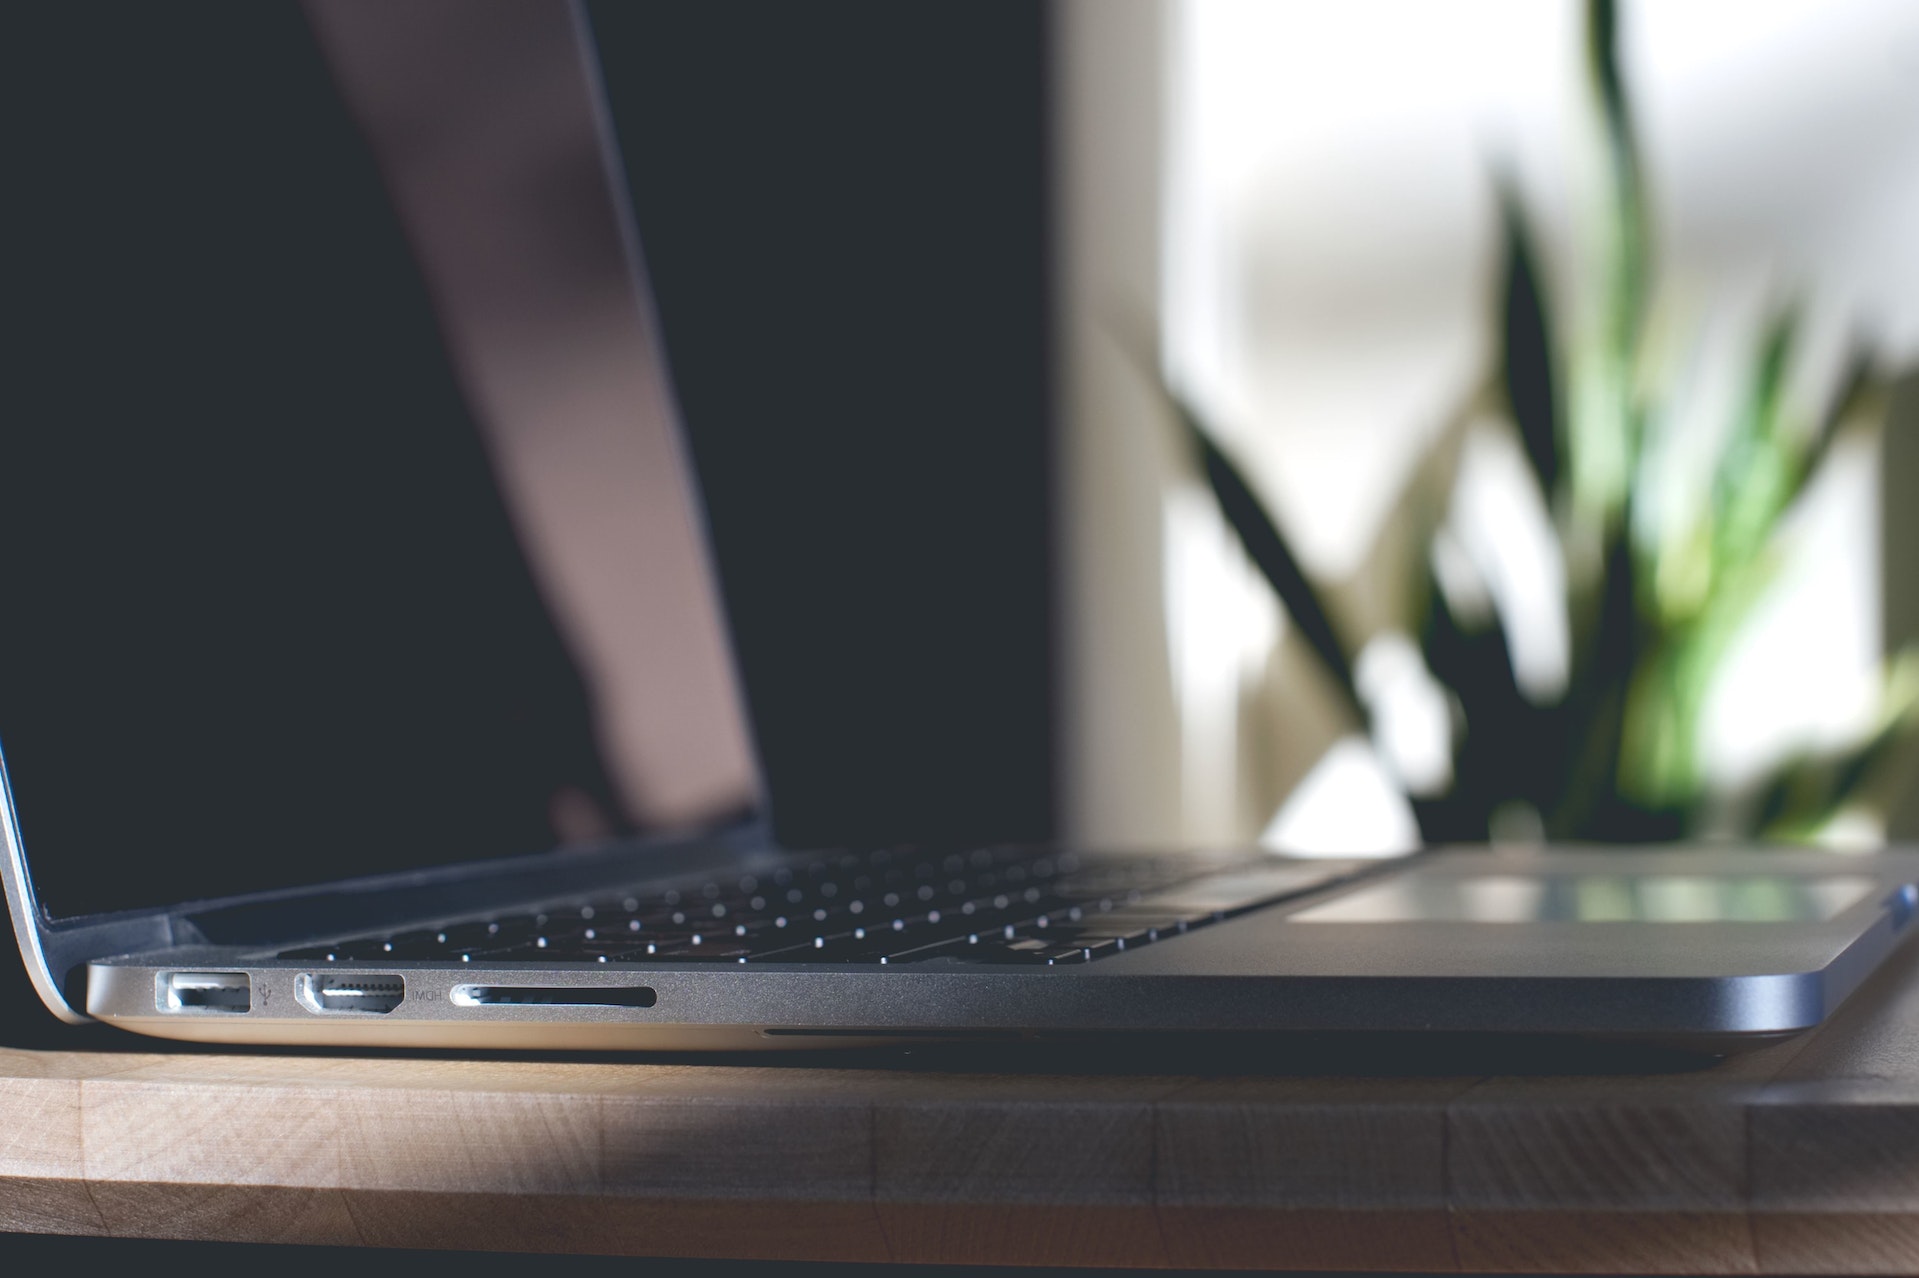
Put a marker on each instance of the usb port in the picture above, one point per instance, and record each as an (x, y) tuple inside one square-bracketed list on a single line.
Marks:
[(329, 992), (204, 992)]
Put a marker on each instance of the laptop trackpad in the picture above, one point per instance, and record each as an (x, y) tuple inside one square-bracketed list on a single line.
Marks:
[(1595, 898)]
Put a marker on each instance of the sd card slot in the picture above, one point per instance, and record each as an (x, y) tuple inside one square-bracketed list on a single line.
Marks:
[(553, 996)]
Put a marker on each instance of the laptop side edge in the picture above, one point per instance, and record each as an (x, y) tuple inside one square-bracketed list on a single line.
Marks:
[(52, 958)]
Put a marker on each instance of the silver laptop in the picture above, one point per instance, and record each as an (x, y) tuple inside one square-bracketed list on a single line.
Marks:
[(306, 744)]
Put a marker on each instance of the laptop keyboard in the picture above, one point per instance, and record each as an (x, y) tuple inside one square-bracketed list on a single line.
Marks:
[(1003, 905)]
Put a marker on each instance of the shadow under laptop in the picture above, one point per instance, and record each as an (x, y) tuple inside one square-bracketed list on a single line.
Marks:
[(1358, 1055), (1368, 1055)]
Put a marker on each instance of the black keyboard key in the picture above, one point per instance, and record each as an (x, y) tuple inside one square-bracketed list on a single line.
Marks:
[(886, 947), (942, 948), (416, 950), (687, 952), (649, 942), (461, 934), (521, 922), (1025, 949), (364, 947), (1153, 925), (503, 931), (525, 952), (1070, 934), (1093, 947), (1218, 895)]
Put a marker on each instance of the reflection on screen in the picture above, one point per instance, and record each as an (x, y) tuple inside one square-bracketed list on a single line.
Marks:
[(1595, 898), (278, 610)]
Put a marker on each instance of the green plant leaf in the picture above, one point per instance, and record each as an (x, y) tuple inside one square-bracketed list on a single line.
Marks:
[(1255, 530), (1622, 146), (1474, 662), (1859, 387), (1267, 547), (1526, 364), (1759, 472), (1807, 792), (1604, 418), (1602, 45), (1595, 709)]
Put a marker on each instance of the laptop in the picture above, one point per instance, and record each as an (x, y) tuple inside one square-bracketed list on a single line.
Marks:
[(305, 742)]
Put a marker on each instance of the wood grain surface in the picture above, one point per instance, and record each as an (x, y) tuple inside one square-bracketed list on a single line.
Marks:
[(1801, 1158)]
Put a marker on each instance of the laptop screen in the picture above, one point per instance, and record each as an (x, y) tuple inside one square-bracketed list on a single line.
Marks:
[(294, 591), (345, 515)]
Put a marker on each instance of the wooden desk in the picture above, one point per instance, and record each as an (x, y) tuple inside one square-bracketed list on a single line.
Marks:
[(1798, 1159)]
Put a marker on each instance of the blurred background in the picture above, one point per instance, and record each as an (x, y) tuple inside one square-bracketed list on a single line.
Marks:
[(1558, 348)]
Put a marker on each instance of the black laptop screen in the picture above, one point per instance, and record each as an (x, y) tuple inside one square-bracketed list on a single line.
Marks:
[(284, 602), (268, 615)]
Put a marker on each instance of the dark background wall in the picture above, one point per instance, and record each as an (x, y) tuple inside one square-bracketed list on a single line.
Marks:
[(843, 211)]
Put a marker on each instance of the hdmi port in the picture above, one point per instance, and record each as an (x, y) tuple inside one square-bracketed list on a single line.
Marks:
[(326, 992)]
